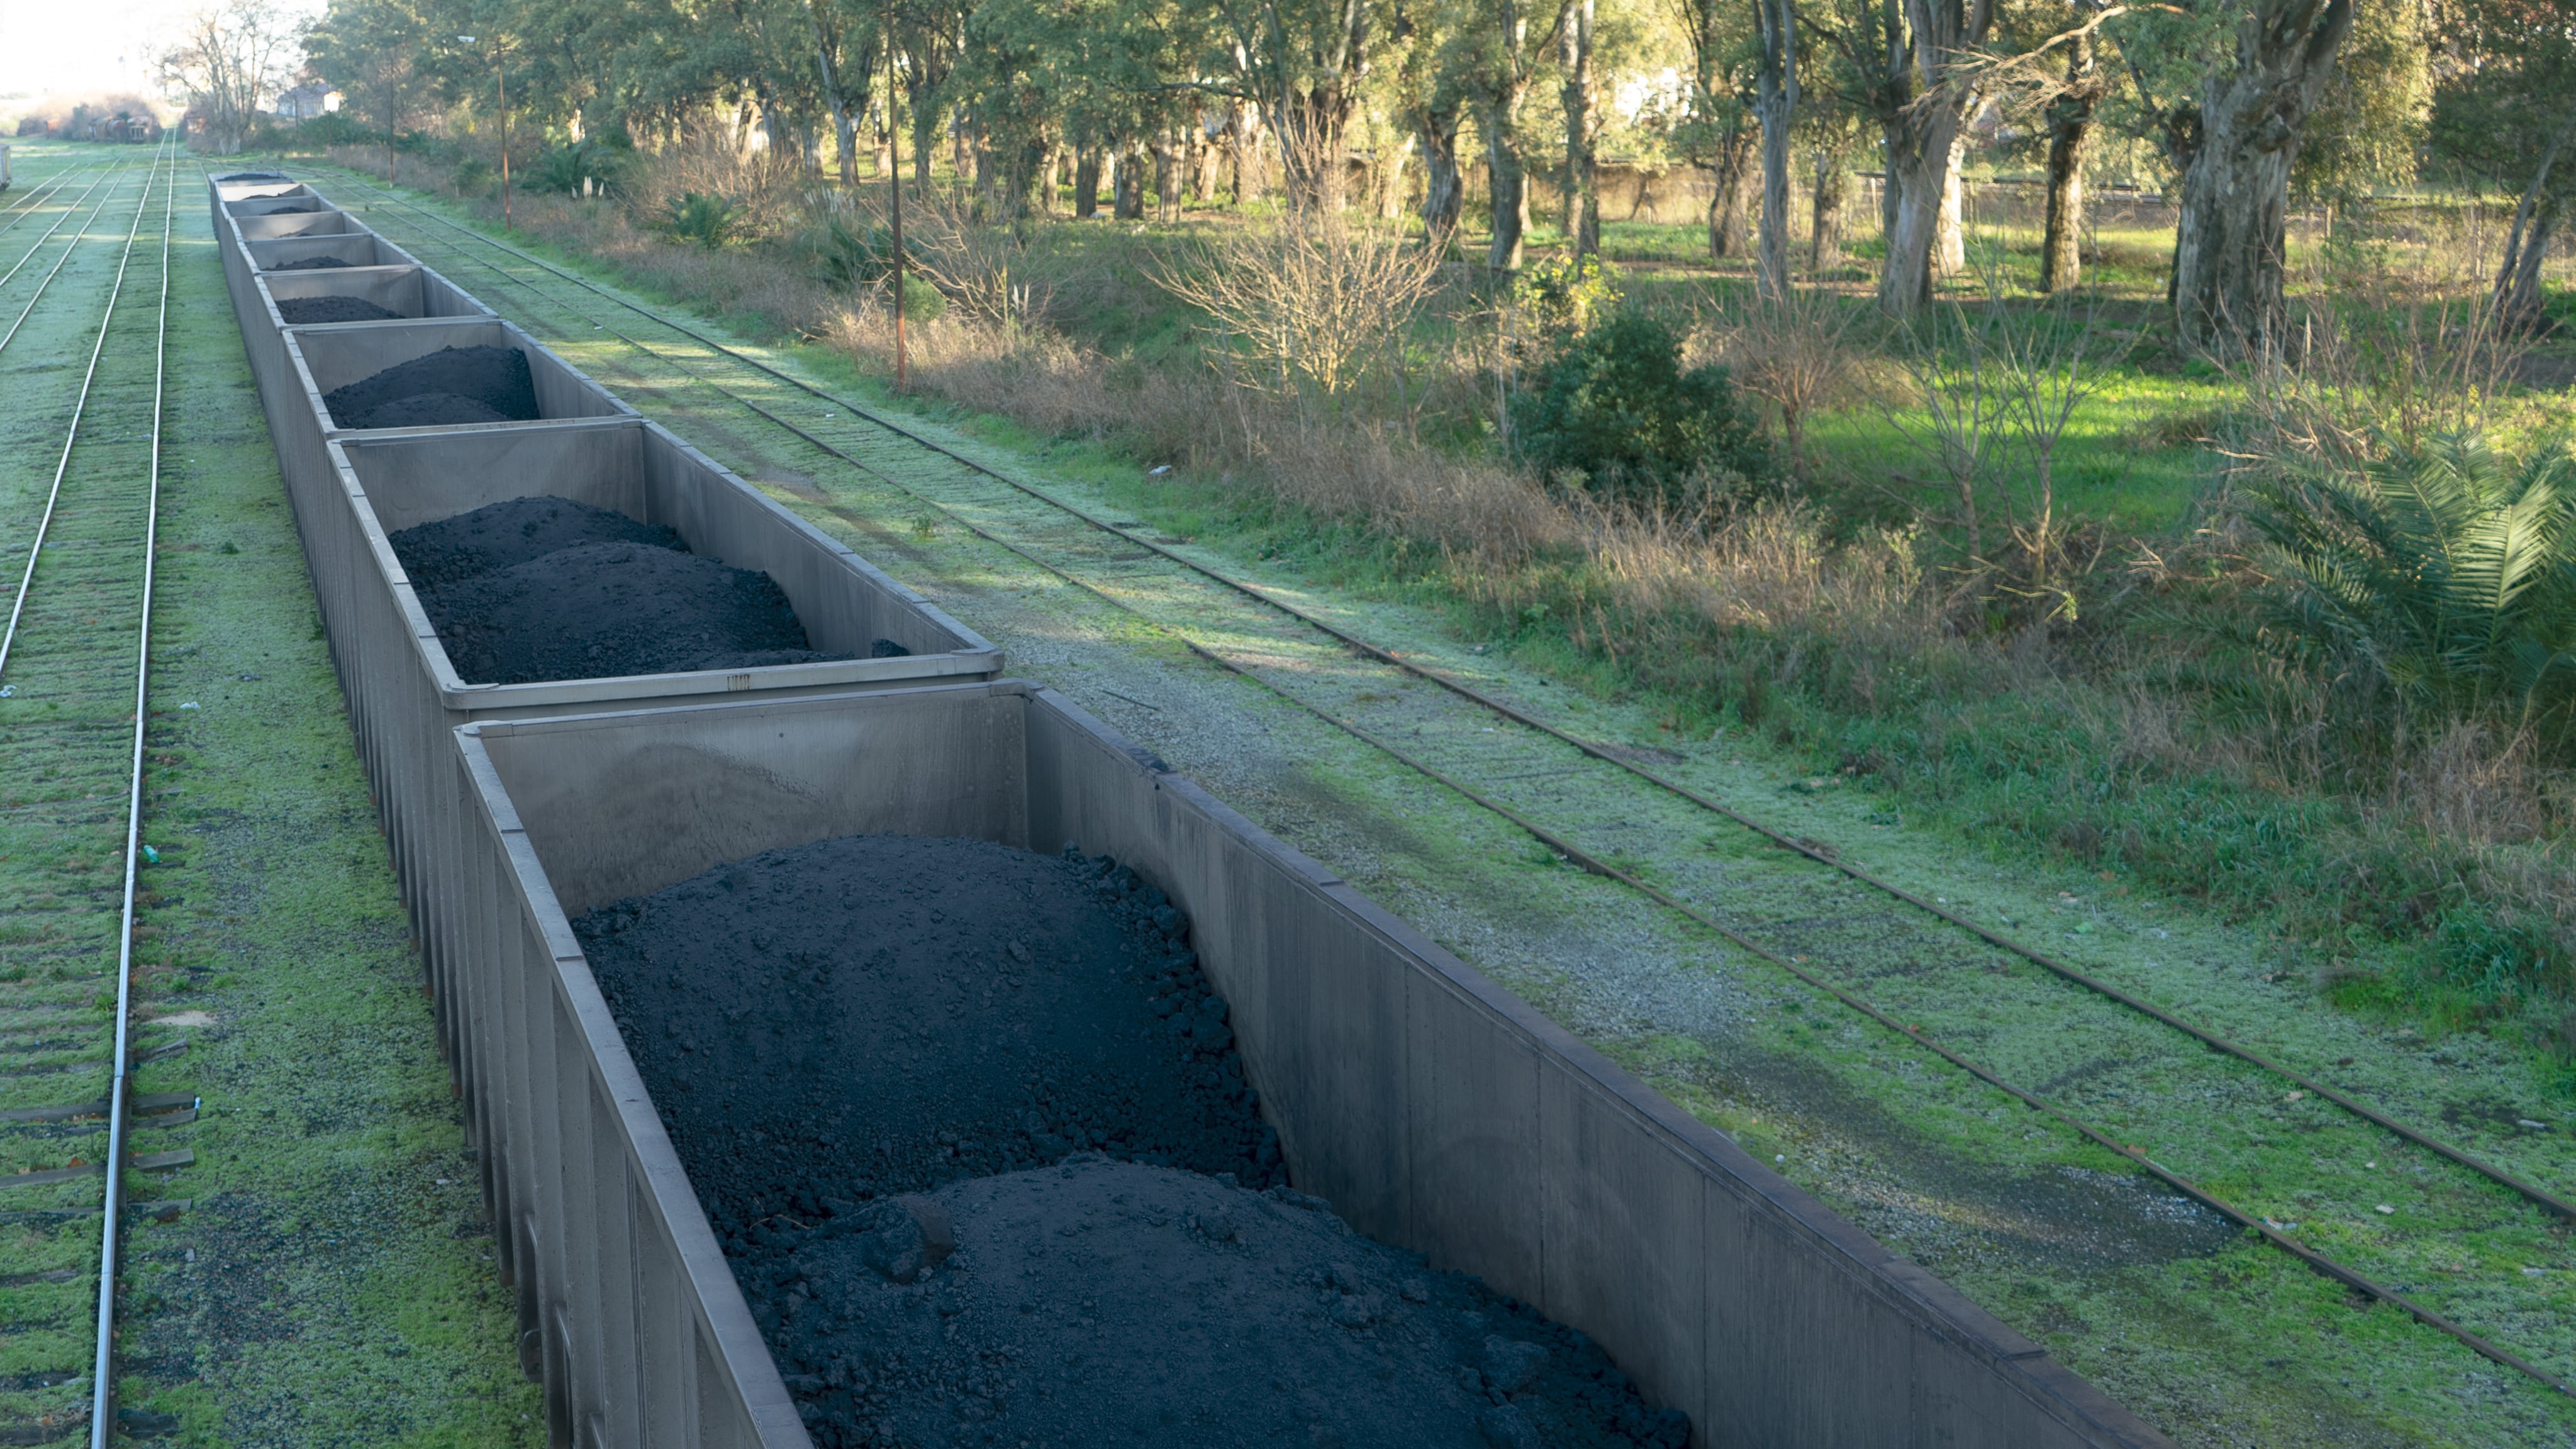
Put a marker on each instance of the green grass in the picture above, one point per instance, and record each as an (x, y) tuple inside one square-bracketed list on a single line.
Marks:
[(332, 1281)]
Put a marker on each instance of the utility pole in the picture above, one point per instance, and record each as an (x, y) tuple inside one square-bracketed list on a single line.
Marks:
[(894, 191), (501, 82)]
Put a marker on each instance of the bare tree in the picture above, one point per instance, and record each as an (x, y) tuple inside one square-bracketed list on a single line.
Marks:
[(231, 57)]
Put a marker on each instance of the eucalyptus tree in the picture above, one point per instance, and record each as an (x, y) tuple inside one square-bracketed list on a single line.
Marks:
[(1913, 66), (2504, 114), (1776, 23), (1718, 134), (372, 52)]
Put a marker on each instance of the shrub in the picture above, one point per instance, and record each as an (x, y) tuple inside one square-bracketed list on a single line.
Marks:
[(922, 302), (566, 168), (1564, 296), (708, 221), (473, 176), (2444, 572), (846, 253), (337, 128), (1617, 406)]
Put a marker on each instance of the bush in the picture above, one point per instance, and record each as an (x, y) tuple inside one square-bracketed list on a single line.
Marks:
[(708, 221), (337, 128), (847, 255), (2444, 573), (473, 176), (922, 302), (1617, 407), (565, 168), (437, 150)]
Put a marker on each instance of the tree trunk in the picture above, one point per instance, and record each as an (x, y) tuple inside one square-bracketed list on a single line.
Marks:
[(1921, 105), (1390, 183), (1201, 162), (1167, 200), (1950, 248), (2521, 307), (2070, 134), (1444, 190), (2230, 239), (1582, 173), (1779, 100), (1918, 173), (925, 128), (1130, 194), (1086, 184), (1249, 182), (2517, 288), (1733, 174), (1509, 182), (1833, 195)]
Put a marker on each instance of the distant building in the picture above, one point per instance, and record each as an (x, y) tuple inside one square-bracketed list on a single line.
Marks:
[(306, 102), (89, 123)]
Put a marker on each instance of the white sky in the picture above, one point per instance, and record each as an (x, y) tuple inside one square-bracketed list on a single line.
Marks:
[(71, 46)]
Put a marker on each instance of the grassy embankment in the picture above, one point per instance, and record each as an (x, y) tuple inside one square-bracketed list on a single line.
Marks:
[(2120, 714)]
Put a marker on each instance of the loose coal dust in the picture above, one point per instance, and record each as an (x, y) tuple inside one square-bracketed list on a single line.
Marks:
[(495, 380), (318, 311), (898, 1071), (307, 264)]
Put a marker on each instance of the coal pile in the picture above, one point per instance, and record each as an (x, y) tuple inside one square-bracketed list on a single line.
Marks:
[(885, 1014), (451, 387), (1103, 1302), (253, 176), (971, 1126), (307, 264), (534, 589), (512, 532), (317, 311)]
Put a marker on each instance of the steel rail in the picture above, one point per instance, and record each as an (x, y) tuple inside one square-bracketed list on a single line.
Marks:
[(39, 242), (55, 270), (53, 496), (45, 190), (102, 1417), (2532, 1192)]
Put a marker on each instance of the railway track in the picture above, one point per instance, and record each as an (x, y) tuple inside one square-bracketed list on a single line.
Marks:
[(74, 707), (2507, 1211)]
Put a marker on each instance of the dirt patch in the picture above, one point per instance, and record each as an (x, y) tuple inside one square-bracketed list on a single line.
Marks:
[(829, 1028), (307, 264), (321, 311), (495, 379), (1101, 1302)]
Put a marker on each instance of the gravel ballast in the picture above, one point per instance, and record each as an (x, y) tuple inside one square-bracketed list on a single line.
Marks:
[(436, 391), (972, 1129), (533, 589), (321, 311)]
